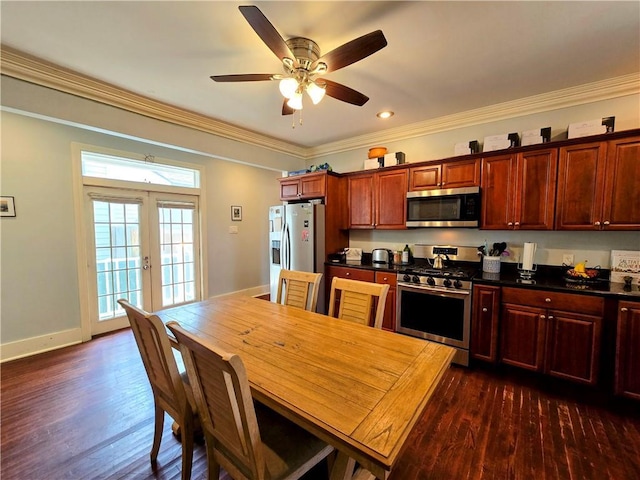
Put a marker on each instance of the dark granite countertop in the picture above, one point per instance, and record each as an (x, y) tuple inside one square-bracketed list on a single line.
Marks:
[(545, 278)]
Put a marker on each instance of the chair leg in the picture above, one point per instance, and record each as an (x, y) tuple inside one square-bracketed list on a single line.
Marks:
[(157, 434), (187, 434), (213, 467)]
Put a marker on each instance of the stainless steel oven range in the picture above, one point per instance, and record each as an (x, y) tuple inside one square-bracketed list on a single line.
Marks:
[(434, 297)]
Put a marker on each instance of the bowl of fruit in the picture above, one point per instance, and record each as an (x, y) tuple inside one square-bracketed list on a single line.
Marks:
[(580, 273)]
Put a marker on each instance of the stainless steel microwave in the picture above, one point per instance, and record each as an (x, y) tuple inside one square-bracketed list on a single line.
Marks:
[(451, 207)]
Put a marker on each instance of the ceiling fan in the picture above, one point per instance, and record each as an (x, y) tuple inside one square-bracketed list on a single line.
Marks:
[(303, 65)]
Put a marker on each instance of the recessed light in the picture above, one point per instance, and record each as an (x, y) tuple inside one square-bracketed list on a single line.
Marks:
[(384, 114)]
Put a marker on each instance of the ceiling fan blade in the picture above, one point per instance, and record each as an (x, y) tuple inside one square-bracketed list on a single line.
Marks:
[(243, 77), (353, 51), (286, 109), (266, 31), (344, 93)]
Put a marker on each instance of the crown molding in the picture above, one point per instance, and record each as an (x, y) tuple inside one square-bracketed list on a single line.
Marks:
[(568, 97), (25, 67), (34, 70)]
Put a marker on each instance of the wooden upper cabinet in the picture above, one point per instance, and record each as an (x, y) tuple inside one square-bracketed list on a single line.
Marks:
[(599, 186), (391, 199), (518, 190), (451, 174), (361, 201), (581, 175), (303, 187), (378, 200), (621, 206)]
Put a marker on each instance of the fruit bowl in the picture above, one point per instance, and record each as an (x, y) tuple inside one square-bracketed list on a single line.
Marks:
[(589, 275)]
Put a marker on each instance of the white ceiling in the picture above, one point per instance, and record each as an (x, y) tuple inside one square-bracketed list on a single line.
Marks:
[(442, 58)]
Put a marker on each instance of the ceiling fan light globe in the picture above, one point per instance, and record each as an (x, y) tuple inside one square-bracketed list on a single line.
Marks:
[(288, 87), (316, 92), (295, 101)]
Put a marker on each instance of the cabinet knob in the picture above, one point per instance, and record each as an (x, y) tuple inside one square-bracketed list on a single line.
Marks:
[(606, 222), (548, 300), (542, 317), (485, 309), (385, 279), (347, 274), (510, 224), (597, 224), (550, 317), (517, 224), (624, 309)]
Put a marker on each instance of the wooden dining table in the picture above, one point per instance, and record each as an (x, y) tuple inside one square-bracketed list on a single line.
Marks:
[(358, 388)]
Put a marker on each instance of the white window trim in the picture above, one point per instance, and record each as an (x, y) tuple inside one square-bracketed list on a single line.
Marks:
[(81, 228)]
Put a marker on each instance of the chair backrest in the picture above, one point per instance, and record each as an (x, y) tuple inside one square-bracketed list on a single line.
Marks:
[(157, 356), (299, 289), (223, 397), (357, 300)]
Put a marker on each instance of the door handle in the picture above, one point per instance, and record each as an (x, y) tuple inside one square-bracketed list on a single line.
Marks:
[(146, 265)]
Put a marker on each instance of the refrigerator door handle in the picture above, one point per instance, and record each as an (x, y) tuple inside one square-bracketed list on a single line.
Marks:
[(286, 248)]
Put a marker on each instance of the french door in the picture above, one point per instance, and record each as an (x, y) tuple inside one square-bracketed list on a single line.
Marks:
[(142, 246)]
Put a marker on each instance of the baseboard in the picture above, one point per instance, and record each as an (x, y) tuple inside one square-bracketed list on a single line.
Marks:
[(44, 343), (259, 291)]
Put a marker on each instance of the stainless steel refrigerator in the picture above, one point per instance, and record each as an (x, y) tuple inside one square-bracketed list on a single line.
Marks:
[(296, 242)]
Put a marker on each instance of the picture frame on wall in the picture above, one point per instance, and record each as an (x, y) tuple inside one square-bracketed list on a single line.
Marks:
[(236, 213), (7, 207)]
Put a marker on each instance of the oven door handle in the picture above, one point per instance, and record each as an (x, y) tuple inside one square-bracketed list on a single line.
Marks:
[(434, 289)]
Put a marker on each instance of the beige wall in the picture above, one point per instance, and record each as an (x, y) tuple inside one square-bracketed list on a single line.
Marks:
[(40, 304)]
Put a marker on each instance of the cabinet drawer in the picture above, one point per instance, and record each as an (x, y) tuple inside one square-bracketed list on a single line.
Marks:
[(353, 273), (388, 278), (553, 300)]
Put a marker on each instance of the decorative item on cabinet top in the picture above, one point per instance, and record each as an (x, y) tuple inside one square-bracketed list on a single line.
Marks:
[(466, 148), (387, 160), (312, 168), (591, 127), (500, 142)]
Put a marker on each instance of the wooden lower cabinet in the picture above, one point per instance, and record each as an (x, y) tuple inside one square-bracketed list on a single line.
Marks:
[(522, 336), (484, 323), (627, 370), (555, 333), (389, 321)]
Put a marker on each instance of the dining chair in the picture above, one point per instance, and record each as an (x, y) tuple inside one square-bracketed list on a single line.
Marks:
[(357, 300), (299, 289), (170, 394), (247, 439)]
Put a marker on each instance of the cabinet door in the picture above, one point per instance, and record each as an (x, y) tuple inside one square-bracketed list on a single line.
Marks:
[(313, 186), (536, 190), (522, 336), (425, 178), (361, 201), (573, 346), (290, 189), (484, 323), (621, 208), (498, 191), (627, 374), (461, 174), (389, 321), (581, 175), (391, 199)]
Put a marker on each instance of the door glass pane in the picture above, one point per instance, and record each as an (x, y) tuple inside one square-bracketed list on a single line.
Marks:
[(176, 246), (118, 265)]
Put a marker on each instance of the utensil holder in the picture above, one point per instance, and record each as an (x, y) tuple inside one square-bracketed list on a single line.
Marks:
[(491, 264)]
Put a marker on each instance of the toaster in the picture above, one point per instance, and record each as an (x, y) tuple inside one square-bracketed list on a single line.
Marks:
[(381, 255)]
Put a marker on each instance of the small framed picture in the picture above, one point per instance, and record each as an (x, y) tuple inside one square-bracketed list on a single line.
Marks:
[(236, 213), (7, 207)]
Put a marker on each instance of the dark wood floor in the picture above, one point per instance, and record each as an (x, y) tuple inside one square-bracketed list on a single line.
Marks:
[(85, 412)]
